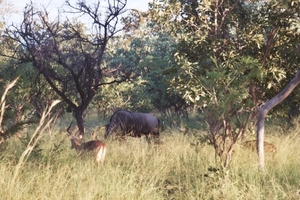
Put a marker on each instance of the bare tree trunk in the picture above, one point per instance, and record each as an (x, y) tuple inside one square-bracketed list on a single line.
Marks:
[(78, 114), (263, 112)]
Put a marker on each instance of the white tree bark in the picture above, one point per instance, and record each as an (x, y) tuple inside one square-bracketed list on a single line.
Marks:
[(263, 112)]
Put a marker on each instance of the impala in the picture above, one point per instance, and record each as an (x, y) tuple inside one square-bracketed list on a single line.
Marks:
[(251, 144), (96, 146)]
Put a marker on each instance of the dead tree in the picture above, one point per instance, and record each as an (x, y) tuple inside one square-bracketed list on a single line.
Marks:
[(263, 112)]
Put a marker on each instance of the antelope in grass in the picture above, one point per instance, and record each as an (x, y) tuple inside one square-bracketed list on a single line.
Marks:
[(251, 144), (94, 146)]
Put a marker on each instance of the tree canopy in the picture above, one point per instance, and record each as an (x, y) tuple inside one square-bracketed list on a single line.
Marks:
[(230, 57), (67, 55)]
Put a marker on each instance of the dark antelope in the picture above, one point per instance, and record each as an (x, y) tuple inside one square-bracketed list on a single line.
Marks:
[(96, 146), (135, 124)]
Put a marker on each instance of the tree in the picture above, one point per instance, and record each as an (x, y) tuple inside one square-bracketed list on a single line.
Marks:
[(263, 112), (229, 55), (68, 56), (16, 111), (145, 48)]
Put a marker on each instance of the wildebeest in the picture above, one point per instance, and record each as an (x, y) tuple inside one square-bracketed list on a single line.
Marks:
[(135, 124)]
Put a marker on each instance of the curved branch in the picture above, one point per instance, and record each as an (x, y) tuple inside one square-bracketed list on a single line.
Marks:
[(263, 112)]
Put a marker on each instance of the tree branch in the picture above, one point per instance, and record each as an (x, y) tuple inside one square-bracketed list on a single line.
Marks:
[(263, 112)]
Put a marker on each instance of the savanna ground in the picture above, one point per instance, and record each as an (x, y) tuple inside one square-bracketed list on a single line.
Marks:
[(179, 168)]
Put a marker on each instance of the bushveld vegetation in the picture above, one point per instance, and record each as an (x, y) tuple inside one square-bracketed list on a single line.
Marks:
[(205, 68), (181, 167)]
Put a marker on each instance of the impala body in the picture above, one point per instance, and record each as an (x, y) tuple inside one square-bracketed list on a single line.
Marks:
[(94, 146), (251, 144)]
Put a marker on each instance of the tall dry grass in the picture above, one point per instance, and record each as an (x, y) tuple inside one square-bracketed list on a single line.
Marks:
[(176, 169)]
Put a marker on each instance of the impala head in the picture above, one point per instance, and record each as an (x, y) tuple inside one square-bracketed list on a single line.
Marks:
[(95, 146), (75, 140)]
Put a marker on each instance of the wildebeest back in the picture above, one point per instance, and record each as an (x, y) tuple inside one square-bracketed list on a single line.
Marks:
[(133, 123)]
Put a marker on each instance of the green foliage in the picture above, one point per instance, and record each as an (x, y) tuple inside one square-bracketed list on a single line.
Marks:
[(11, 125), (240, 30), (145, 55), (30, 95), (231, 56), (28, 98)]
